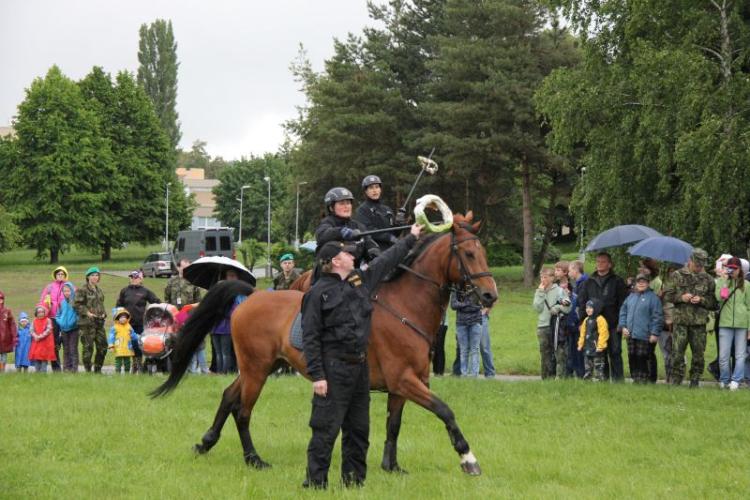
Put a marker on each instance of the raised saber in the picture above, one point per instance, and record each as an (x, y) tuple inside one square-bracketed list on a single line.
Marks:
[(427, 164)]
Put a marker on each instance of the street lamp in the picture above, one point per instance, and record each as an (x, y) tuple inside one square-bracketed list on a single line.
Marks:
[(268, 234), (242, 194), (296, 218), (166, 220)]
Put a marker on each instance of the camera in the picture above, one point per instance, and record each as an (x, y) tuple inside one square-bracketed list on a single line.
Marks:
[(565, 302)]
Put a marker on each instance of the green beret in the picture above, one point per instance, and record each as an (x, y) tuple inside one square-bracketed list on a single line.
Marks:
[(286, 256), (92, 270)]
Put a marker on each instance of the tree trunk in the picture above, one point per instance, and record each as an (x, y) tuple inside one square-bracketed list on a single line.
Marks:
[(549, 227), (528, 226), (106, 252), (54, 255)]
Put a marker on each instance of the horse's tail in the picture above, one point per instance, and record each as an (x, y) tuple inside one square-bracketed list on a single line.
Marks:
[(210, 311)]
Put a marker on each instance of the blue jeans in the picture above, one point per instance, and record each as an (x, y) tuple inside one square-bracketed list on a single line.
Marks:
[(469, 337), (484, 348), (727, 338), (198, 363), (222, 345)]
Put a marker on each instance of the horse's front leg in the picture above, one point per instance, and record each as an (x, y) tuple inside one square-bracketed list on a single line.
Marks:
[(415, 390), (392, 427)]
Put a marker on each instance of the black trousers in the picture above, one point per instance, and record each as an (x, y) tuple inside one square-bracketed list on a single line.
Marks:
[(346, 407)]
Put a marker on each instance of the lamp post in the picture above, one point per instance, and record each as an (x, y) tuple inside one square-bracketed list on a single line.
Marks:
[(296, 218), (166, 220), (242, 194), (268, 234)]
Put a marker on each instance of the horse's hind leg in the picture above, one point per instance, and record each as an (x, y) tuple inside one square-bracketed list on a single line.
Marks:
[(414, 390), (392, 428), (230, 403), (250, 391)]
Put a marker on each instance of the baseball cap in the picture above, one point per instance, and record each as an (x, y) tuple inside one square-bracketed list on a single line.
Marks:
[(333, 248), (135, 274), (643, 276), (734, 263)]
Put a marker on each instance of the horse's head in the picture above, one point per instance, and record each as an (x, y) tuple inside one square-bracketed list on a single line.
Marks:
[(468, 260)]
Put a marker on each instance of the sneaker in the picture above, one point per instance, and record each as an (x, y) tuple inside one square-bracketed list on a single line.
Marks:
[(733, 386), (722, 385)]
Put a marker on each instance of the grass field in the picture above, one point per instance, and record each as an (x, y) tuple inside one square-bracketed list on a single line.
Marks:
[(86, 436)]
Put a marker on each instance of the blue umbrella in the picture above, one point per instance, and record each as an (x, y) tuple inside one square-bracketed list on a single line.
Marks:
[(621, 235), (663, 248)]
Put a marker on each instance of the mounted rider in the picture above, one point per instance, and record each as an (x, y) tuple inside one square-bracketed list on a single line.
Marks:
[(338, 225), (374, 214)]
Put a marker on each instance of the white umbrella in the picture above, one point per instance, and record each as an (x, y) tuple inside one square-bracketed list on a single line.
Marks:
[(206, 271)]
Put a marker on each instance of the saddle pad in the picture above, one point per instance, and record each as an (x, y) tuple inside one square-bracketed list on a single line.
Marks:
[(295, 334)]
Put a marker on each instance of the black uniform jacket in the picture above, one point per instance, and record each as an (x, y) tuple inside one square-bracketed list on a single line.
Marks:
[(336, 312), (329, 229), (134, 299), (375, 215), (610, 290)]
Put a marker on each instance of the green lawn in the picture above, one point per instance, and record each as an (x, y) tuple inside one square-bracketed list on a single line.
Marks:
[(87, 436)]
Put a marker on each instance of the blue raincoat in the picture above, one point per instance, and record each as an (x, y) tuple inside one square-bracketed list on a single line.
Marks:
[(24, 342), (66, 317)]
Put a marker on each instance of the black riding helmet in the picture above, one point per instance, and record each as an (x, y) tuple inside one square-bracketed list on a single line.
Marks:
[(370, 180), (337, 194)]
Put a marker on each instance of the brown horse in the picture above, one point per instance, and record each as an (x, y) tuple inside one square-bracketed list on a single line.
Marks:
[(406, 313)]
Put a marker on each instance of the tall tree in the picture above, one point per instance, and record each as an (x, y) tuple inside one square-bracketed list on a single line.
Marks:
[(659, 107), (157, 73), (61, 156)]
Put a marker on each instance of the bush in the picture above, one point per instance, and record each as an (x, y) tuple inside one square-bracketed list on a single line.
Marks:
[(552, 254), (503, 254)]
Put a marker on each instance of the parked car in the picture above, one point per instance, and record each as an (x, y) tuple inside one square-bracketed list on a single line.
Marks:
[(158, 264), (193, 244)]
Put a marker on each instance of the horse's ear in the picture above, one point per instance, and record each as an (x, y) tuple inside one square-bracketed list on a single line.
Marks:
[(469, 216), (476, 226)]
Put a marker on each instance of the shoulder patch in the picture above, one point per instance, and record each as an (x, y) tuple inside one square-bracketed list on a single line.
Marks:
[(355, 280)]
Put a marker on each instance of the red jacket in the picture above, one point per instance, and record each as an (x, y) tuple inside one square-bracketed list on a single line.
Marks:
[(8, 331)]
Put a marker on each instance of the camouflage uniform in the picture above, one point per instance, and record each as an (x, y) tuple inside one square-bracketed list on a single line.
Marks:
[(90, 298), (180, 292), (690, 320), (282, 283)]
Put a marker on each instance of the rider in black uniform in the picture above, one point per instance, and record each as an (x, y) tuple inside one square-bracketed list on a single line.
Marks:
[(338, 225), (335, 330), (374, 214)]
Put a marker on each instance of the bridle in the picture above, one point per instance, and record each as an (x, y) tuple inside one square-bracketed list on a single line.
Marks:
[(466, 282)]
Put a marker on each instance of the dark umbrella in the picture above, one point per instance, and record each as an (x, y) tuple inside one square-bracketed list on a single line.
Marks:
[(663, 248), (206, 271), (621, 235)]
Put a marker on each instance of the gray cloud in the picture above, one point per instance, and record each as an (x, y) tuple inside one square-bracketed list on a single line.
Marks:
[(235, 87)]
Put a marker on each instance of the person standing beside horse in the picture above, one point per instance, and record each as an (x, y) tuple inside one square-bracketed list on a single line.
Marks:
[(550, 302), (691, 290), (374, 214), (336, 322), (89, 304)]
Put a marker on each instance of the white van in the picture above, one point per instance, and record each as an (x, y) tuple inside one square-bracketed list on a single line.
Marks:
[(193, 244)]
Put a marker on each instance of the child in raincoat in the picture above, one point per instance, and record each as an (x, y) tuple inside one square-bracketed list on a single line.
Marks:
[(24, 343), (67, 321), (42, 340), (8, 334), (121, 339), (593, 340)]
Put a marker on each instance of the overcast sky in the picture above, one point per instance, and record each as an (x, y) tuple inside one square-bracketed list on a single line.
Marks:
[(234, 84)]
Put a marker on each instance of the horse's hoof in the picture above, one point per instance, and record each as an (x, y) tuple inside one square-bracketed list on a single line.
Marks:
[(471, 469), (256, 462), (199, 449), (470, 465)]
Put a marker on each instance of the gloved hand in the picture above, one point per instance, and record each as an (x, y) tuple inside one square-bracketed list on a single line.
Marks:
[(373, 252), (401, 217), (349, 234), (393, 239)]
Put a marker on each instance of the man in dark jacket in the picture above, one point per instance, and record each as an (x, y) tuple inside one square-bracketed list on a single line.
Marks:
[(610, 289), (374, 214), (134, 299), (336, 314)]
